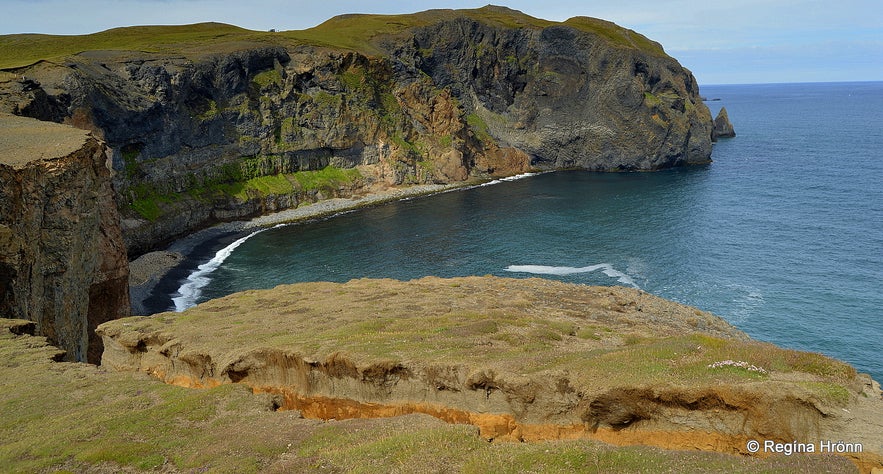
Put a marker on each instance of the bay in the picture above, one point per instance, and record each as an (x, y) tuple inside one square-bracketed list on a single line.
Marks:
[(782, 235)]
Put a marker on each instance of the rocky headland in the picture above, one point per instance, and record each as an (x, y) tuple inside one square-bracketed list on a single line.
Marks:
[(162, 131), (209, 122), (212, 123)]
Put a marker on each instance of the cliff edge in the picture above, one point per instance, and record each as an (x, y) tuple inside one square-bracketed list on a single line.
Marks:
[(108, 421), (523, 360), (212, 122), (62, 260)]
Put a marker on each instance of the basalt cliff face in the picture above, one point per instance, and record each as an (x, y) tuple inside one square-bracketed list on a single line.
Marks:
[(62, 260), (231, 124)]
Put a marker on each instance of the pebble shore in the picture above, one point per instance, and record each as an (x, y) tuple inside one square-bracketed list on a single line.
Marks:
[(147, 270)]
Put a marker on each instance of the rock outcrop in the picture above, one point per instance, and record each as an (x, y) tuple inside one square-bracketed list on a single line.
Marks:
[(722, 126), (522, 360), (196, 131), (62, 260)]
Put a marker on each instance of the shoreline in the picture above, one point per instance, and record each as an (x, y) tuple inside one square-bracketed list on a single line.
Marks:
[(164, 269)]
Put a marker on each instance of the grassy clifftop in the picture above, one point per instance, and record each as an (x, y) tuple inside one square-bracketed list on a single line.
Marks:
[(82, 418), (350, 32), (24, 49), (526, 360)]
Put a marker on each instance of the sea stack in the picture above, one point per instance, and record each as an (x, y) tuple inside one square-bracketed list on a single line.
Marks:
[(722, 126)]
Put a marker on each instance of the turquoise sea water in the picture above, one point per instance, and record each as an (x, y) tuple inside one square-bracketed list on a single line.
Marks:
[(782, 235)]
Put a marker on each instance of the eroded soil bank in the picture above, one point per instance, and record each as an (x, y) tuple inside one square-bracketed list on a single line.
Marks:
[(522, 360)]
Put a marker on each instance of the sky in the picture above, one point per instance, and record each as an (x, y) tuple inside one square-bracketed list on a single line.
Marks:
[(720, 41)]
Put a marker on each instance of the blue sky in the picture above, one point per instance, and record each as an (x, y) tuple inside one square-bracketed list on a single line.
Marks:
[(722, 42)]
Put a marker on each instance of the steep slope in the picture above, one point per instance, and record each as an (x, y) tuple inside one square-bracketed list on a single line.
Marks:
[(62, 260), (211, 122)]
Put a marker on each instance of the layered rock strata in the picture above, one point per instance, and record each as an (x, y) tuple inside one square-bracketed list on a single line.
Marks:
[(521, 359), (62, 260)]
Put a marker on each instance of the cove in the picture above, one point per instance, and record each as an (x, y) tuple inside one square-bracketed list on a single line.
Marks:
[(769, 236)]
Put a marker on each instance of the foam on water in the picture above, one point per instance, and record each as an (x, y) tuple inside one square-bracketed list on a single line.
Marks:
[(508, 178), (191, 289), (605, 268)]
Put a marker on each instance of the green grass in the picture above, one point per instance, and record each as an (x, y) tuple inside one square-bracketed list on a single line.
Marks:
[(616, 35), (327, 178), (518, 331), (25, 49), (69, 417), (479, 127), (352, 32), (404, 445), (241, 180), (76, 415), (265, 78), (147, 200), (257, 187)]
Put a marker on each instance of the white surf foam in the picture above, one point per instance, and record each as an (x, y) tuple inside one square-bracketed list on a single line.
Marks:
[(191, 289), (508, 178), (605, 268)]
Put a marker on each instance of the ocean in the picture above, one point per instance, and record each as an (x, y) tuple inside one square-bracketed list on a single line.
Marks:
[(782, 235)]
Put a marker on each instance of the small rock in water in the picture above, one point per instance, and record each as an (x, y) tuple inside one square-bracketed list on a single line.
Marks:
[(722, 126)]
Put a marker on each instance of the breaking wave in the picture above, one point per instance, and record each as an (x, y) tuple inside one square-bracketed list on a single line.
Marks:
[(191, 289), (508, 178), (605, 268)]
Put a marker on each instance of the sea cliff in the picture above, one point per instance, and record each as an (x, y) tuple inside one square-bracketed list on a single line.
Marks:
[(62, 260), (210, 122)]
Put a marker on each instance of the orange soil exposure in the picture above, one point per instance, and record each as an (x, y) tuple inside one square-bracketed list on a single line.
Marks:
[(504, 427), (501, 426), (528, 361)]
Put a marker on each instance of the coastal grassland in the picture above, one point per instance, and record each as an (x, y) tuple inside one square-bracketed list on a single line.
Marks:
[(71, 417), (351, 32), (602, 337), (25, 49), (616, 35), (355, 32), (394, 445)]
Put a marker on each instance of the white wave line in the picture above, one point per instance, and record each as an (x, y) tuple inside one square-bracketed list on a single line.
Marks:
[(605, 268), (508, 178), (191, 289)]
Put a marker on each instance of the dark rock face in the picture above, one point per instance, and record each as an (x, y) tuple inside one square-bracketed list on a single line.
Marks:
[(456, 98), (722, 126), (62, 260), (568, 99)]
